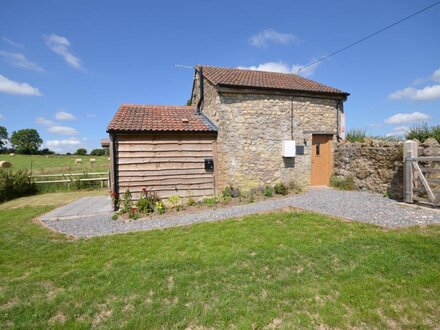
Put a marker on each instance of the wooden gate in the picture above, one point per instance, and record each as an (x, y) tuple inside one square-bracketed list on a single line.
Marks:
[(422, 179)]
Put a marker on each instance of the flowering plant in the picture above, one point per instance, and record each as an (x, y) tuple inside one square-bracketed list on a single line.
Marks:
[(115, 200), (133, 213)]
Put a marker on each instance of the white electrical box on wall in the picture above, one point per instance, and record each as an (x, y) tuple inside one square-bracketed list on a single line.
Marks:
[(289, 149)]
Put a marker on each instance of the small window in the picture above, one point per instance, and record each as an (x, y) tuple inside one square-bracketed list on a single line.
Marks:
[(318, 149)]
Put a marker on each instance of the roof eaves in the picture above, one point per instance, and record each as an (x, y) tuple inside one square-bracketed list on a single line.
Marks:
[(282, 89)]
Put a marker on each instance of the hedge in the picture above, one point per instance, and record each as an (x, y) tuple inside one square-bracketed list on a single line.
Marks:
[(14, 184)]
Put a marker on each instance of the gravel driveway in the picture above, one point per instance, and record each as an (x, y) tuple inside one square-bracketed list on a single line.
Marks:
[(352, 205)]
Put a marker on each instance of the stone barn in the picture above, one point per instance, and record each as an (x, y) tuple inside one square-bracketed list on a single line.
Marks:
[(245, 129)]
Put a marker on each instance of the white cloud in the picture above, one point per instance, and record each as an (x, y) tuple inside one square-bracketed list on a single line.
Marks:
[(283, 68), (62, 130), (20, 61), (44, 122), (12, 43), (263, 38), (61, 46), (91, 115), (65, 142), (402, 118), (424, 94), (2, 116), (436, 75), (63, 146), (398, 131), (12, 87), (375, 125), (62, 115)]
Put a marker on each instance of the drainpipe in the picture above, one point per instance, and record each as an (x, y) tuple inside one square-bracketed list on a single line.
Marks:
[(201, 98), (338, 138), (291, 118)]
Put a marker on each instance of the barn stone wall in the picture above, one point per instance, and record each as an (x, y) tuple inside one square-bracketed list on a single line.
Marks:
[(253, 128), (377, 165)]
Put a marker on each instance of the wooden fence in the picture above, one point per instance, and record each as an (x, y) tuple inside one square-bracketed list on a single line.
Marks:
[(421, 178), (101, 177)]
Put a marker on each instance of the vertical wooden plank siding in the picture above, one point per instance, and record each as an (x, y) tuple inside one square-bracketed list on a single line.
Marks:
[(113, 167), (169, 164)]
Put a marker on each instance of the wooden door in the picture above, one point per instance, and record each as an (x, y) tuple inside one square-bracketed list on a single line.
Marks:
[(321, 159)]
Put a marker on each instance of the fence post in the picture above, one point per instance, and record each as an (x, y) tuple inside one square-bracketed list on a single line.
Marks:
[(409, 152), (408, 178)]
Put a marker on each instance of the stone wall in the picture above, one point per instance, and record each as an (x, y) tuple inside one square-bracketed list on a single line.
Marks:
[(377, 165), (252, 127)]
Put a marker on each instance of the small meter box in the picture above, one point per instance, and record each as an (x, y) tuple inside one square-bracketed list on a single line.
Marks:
[(289, 149), (209, 164)]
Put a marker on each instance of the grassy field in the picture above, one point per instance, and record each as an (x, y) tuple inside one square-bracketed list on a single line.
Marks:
[(273, 270), (57, 164)]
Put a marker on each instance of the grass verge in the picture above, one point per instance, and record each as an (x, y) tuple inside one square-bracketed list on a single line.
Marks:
[(273, 270), (51, 199)]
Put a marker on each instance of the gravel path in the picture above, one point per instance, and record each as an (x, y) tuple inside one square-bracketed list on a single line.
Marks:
[(359, 206)]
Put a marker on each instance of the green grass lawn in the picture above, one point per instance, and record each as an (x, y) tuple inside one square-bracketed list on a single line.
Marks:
[(272, 270), (57, 164)]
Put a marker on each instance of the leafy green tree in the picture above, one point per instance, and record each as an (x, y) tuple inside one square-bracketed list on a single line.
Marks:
[(3, 137), (97, 152), (81, 152), (26, 141)]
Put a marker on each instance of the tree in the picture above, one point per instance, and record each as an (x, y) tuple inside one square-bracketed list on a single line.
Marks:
[(97, 152), (3, 137), (46, 151), (81, 152), (26, 141)]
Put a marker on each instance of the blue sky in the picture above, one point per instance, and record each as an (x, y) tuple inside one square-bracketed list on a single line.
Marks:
[(66, 66)]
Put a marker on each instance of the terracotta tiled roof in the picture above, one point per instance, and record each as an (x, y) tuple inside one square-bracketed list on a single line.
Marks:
[(138, 117), (264, 80)]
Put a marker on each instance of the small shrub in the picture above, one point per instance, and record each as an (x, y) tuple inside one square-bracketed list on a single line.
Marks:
[(280, 189), (145, 205), (14, 184), (268, 191), (251, 197), (159, 208), (210, 201), (176, 202), (356, 135), (133, 213), (127, 203), (115, 216), (231, 192), (343, 183), (191, 202), (147, 201), (225, 199), (296, 187)]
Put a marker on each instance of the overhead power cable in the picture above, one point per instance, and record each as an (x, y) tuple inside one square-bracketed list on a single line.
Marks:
[(368, 37)]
